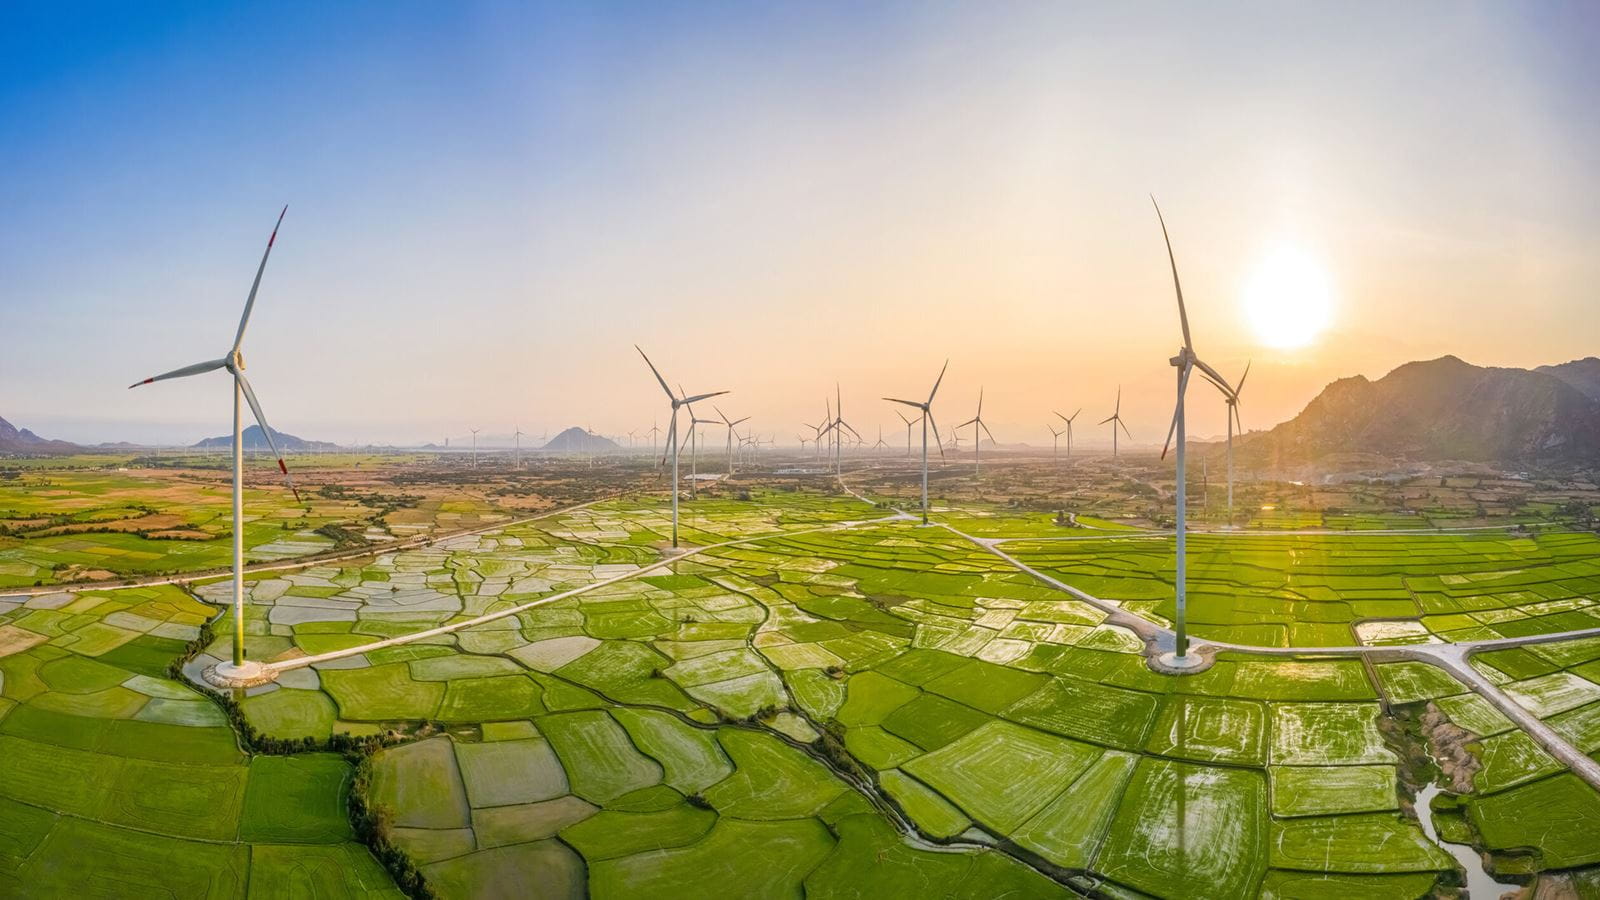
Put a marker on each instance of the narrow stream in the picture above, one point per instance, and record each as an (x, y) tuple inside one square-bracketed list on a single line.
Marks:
[(1480, 884)]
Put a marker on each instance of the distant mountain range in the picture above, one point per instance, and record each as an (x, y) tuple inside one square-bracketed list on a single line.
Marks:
[(252, 439), (577, 440), (24, 442), (1445, 409)]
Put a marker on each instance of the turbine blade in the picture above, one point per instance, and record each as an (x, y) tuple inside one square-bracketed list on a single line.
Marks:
[(915, 403), (266, 431), (698, 397), (1240, 386), (1061, 417), (186, 371), (980, 403), (1214, 376), (1125, 429), (986, 430), (968, 422), (656, 372), (937, 440), (1183, 314), (250, 302), (937, 381), (1183, 384), (1075, 415), (1110, 418)]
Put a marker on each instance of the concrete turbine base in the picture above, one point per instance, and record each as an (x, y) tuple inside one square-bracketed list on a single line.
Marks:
[(1170, 663), (249, 674)]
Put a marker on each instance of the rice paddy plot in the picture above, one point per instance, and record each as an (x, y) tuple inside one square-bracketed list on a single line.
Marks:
[(978, 772)]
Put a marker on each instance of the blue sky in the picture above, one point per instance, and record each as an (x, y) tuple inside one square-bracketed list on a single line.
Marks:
[(490, 203)]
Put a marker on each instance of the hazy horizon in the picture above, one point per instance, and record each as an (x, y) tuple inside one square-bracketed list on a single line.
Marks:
[(489, 205)]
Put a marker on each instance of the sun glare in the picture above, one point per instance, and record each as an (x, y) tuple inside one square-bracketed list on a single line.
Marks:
[(1287, 299)]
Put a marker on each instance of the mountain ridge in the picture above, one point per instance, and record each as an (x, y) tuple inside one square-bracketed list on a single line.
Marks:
[(1446, 409)]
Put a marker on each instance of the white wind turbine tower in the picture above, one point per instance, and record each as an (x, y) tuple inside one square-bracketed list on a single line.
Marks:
[(839, 425), (909, 423), (1185, 362), (694, 447), (977, 440), (876, 448), (926, 407), (239, 672), (654, 434), (672, 432), (1068, 420), (1233, 416), (1115, 419), (802, 438), (518, 436), (474, 446), (1055, 441), (724, 417)]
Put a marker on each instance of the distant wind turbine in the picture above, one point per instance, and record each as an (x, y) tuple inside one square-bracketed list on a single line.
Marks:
[(518, 436), (672, 432), (1055, 441), (694, 447), (977, 423), (1233, 416), (239, 671), (1068, 420), (1115, 419), (474, 446), (909, 423), (926, 407), (1185, 362), (729, 425), (839, 424)]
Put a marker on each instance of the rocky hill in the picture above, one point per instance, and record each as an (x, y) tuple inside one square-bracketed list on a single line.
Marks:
[(578, 440), (1445, 409), (252, 439), (22, 442)]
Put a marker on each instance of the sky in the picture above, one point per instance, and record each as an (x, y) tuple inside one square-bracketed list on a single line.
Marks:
[(490, 204)]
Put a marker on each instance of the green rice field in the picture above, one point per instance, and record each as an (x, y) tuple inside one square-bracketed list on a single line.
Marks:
[(821, 700)]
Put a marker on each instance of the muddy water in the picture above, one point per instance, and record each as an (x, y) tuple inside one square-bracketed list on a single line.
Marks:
[(1480, 884)]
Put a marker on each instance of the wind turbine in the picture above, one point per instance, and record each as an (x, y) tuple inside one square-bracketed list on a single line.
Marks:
[(977, 440), (927, 419), (672, 432), (1115, 419), (694, 447), (839, 424), (909, 423), (880, 444), (1233, 416), (1068, 420), (239, 672), (1055, 441), (1185, 362), (730, 425), (474, 446), (518, 436), (654, 433)]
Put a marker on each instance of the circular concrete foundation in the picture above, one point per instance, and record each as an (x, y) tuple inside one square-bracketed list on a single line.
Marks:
[(249, 674), (1170, 663)]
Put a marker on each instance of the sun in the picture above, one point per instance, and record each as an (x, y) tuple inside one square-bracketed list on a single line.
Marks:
[(1286, 298)]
